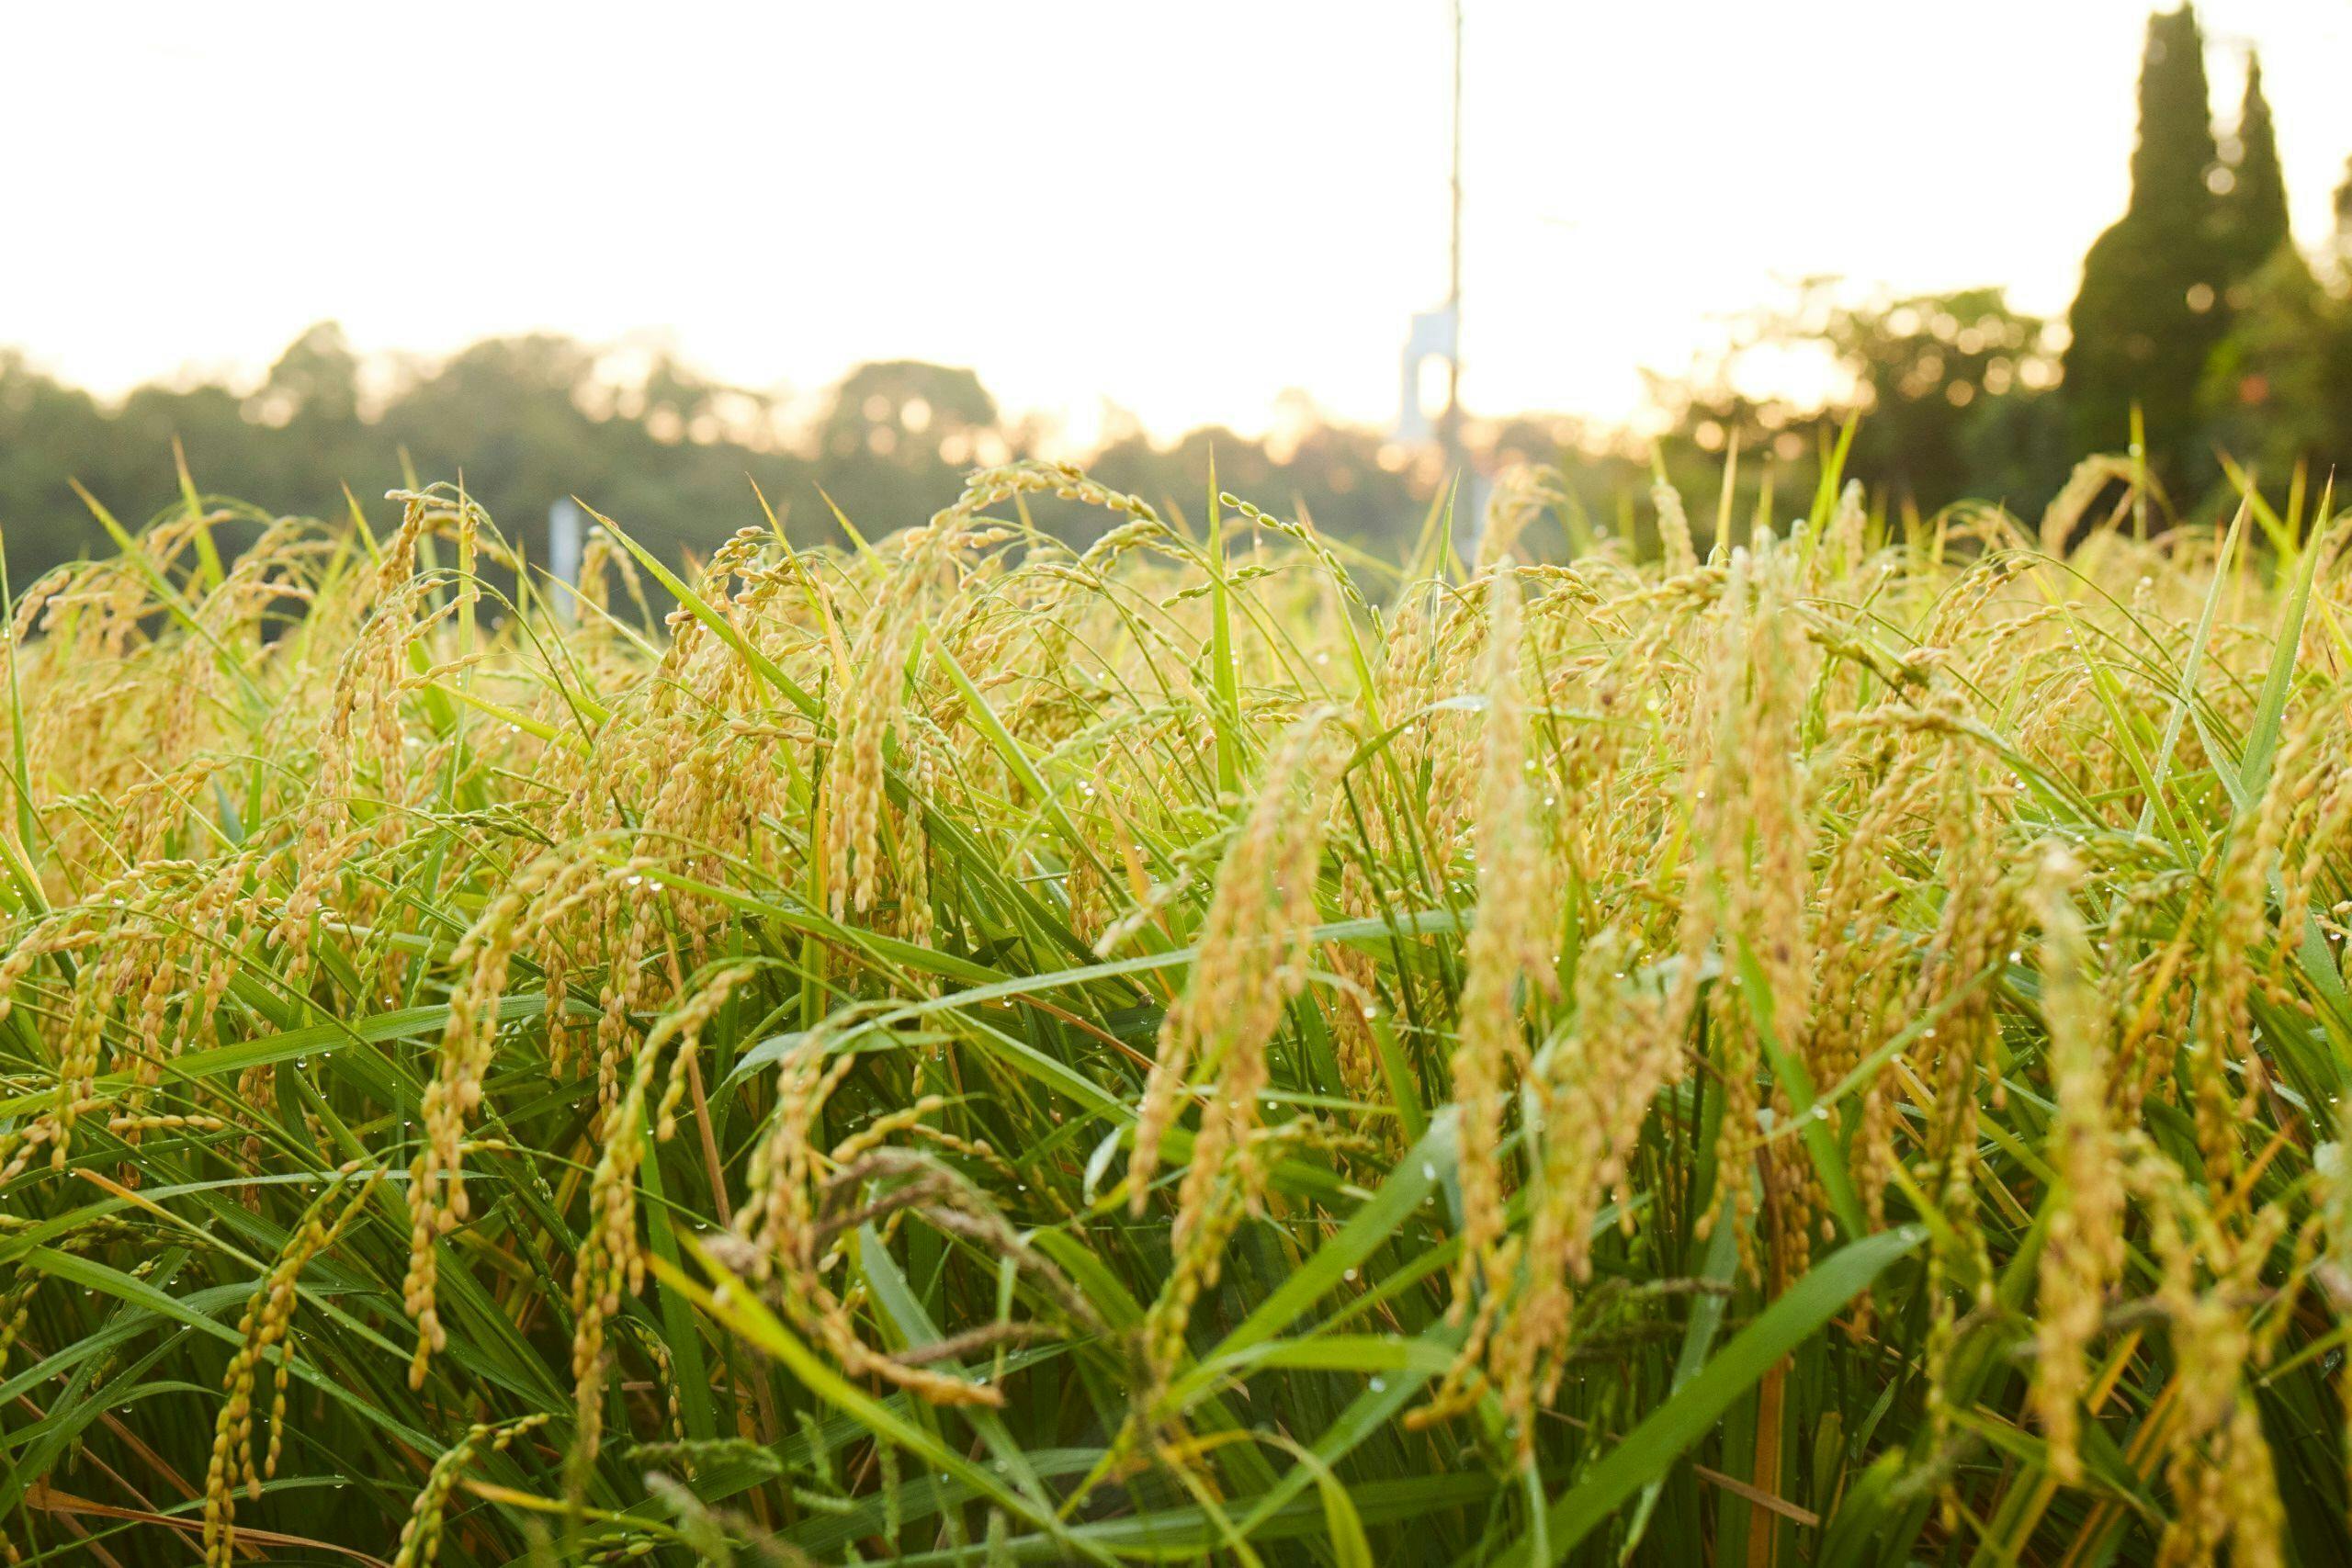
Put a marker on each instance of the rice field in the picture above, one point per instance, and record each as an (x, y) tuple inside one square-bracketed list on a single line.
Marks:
[(1816, 1044)]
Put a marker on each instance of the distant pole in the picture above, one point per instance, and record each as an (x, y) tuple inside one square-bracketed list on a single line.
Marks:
[(563, 554), (1450, 431)]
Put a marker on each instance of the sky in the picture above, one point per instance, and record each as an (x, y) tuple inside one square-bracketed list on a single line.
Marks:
[(1187, 210)]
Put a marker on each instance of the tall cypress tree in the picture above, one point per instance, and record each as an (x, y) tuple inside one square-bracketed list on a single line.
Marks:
[(2253, 213), (2341, 240), (2149, 310)]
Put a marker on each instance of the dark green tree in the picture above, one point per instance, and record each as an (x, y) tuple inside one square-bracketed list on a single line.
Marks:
[(1955, 393), (316, 378), (896, 440), (1932, 372), (2149, 311), (2275, 388), (911, 413), (2269, 387), (2253, 191), (2341, 240)]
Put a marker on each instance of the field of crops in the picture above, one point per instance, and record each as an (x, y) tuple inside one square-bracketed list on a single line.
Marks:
[(1817, 1047)]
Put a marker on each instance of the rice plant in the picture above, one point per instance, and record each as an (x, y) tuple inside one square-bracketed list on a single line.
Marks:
[(1822, 1047)]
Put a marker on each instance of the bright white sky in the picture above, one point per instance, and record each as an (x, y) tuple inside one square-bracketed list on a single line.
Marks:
[(1185, 207)]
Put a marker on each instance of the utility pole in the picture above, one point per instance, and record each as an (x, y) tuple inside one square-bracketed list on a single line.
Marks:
[(1437, 334), (1450, 430)]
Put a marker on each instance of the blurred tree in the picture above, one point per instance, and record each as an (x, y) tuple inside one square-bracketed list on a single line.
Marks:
[(2340, 242), (317, 379), (2148, 312), (505, 416), (1946, 380), (1349, 481), (231, 455), (909, 413), (651, 442), (1953, 390), (896, 437), (2252, 190), (48, 432), (2278, 391)]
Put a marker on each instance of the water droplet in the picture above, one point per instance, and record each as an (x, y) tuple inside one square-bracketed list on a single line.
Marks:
[(1347, 1274), (1377, 1384), (1428, 1171)]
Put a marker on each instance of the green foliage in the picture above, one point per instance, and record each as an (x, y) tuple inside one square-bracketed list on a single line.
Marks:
[(1956, 386), (2278, 391), (1956, 392)]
